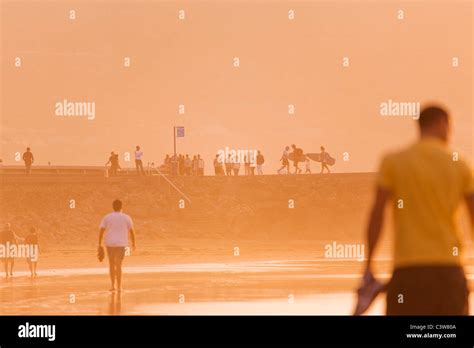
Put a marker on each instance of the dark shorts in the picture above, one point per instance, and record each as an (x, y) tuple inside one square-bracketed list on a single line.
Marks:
[(428, 290), (116, 253)]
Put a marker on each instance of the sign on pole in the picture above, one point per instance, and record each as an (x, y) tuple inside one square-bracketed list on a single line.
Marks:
[(178, 132)]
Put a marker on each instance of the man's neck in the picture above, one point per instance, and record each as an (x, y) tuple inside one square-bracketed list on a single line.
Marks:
[(433, 138)]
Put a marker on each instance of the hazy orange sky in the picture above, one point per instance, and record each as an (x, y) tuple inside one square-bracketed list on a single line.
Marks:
[(190, 62)]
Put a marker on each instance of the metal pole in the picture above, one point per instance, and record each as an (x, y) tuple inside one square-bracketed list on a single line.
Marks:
[(174, 140)]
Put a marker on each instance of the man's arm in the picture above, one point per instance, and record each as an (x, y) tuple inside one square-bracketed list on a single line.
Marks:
[(101, 235), (132, 237), (470, 208), (374, 227)]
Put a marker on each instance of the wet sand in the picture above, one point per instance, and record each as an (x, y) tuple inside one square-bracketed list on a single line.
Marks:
[(286, 287), (281, 266)]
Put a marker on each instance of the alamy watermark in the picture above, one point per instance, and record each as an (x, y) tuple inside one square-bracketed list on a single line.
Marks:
[(12, 250), (344, 251), (80, 109), (400, 108), (28, 330), (237, 155)]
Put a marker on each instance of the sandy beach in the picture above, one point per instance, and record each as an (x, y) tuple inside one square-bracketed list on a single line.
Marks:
[(235, 249), (306, 287)]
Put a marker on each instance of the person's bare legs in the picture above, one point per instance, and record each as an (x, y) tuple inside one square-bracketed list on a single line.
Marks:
[(33, 268), (324, 165), (5, 263), (112, 272), (118, 273), (35, 264), (12, 263), (30, 265), (297, 168)]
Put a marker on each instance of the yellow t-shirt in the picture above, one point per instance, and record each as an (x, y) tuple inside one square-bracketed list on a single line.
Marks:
[(427, 185)]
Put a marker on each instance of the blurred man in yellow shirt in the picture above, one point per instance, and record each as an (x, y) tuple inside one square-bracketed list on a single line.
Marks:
[(425, 185)]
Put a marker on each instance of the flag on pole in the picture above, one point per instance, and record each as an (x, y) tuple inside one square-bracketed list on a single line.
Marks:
[(179, 132)]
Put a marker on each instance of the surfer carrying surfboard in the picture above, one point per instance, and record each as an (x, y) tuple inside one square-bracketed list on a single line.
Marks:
[(324, 156), (297, 156)]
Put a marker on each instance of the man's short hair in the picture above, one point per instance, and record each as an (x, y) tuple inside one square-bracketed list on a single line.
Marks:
[(431, 115), (117, 205)]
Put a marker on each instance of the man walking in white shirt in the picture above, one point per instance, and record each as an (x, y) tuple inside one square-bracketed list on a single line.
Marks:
[(117, 227)]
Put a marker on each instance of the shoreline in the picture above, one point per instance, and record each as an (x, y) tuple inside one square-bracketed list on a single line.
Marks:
[(265, 288)]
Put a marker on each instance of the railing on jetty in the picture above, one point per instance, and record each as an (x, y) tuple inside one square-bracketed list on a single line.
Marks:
[(69, 171)]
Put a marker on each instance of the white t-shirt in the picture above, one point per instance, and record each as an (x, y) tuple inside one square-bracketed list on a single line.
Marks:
[(116, 226), (138, 155)]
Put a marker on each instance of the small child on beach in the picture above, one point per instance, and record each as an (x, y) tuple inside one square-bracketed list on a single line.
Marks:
[(31, 241), (308, 166)]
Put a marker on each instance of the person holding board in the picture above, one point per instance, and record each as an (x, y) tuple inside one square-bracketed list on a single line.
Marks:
[(297, 156), (324, 158)]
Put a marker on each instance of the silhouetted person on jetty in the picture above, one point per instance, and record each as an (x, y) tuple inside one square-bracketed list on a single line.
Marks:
[(138, 161), (114, 164), (28, 158), (308, 167), (260, 162), (297, 157), (324, 156), (285, 160)]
